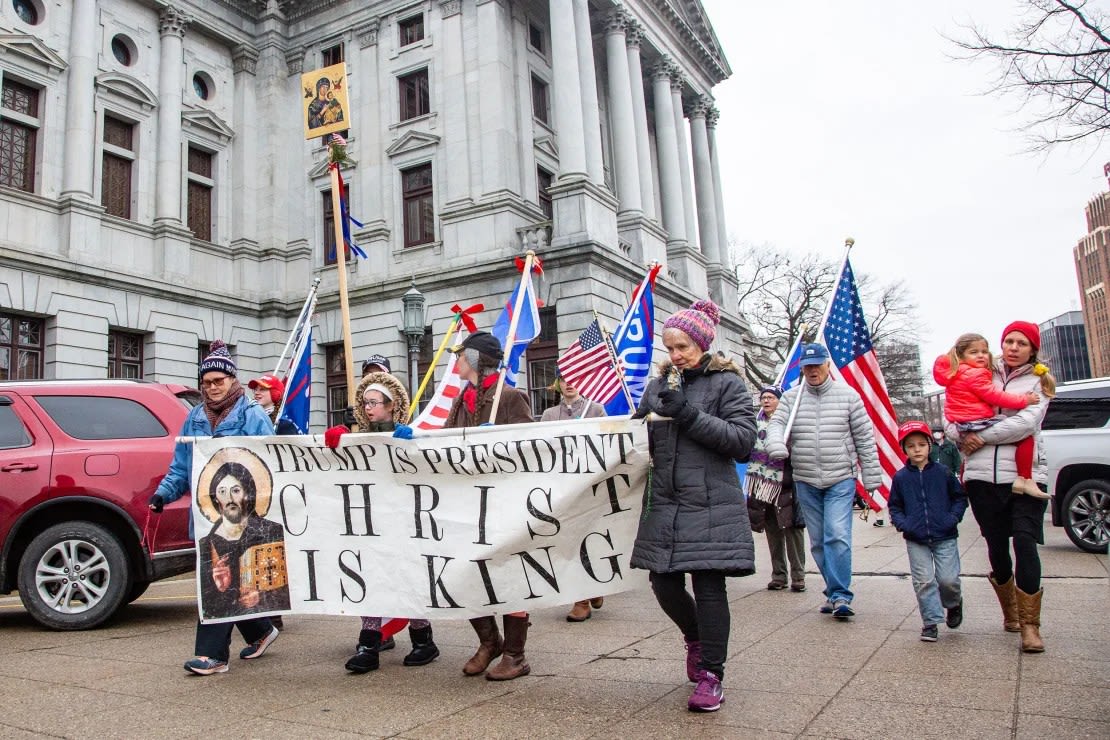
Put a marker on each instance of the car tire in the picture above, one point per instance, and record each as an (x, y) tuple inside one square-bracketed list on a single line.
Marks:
[(1086, 515), (138, 588), (53, 587)]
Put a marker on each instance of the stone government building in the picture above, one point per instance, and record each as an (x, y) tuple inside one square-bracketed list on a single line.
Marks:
[(156, 191)]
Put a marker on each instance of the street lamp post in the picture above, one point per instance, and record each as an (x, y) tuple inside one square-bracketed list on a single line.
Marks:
[(413, 315)]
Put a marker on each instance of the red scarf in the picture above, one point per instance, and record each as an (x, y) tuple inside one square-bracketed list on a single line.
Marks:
[(470, 395)]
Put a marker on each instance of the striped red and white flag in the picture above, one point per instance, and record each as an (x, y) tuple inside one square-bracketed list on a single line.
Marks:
[(588, 366), (434, 415), (849, 342)]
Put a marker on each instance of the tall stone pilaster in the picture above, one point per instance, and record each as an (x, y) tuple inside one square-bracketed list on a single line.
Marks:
[(587, 73), (171, 30), (566, 81), (633, 36), (678, 82), (703, 179), (80, 139), (621, 114)]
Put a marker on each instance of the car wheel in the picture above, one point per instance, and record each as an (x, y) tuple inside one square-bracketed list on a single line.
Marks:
[(138, 588), (1086, 510), (74, 576)]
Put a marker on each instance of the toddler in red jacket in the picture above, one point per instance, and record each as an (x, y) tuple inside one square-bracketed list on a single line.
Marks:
[(970, 400)]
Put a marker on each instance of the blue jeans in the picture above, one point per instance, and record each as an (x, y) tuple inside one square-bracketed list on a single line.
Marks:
[(828, 513), (935, 571)]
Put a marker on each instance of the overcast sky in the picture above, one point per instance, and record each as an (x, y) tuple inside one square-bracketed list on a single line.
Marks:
[(849, 118)]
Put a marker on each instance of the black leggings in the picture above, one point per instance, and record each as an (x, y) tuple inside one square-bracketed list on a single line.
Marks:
[(1027, 574), (1003, 515), (704, 617)]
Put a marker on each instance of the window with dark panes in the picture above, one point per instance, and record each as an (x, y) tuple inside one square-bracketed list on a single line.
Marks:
[(19, 126), (332, 55), (125, 355), (203, 348), (540, 110), (415, 100), (12, 432), (417, 206), (101, 417), (330, 258), (117, 159), (543, 354), (335, 362), (535, 37), (20, 347), (199, 195), (412, 29), (543, 187)]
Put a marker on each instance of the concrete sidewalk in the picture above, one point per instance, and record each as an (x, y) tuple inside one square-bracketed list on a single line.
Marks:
[(792, 672)]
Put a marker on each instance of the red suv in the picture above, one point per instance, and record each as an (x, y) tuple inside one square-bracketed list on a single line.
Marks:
[(78, 461)]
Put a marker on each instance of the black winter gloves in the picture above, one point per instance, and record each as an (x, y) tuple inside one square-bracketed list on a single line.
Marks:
[(156, 503), (349, 417), (672, 403)]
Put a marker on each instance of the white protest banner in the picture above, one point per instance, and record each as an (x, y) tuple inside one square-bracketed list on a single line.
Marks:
[(453, 524)]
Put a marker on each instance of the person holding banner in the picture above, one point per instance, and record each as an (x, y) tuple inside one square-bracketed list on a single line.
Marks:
[(831, 432), (478, 362), (384, 408), (694, 518), (226, 412)]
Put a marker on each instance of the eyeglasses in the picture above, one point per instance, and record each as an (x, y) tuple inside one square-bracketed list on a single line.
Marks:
[(214, 383), (372, 404)]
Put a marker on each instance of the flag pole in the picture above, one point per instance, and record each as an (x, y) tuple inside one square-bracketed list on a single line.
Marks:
[(302, 318), (435, 362), (615, 361), (848, 244), (341, 271), (510, 338)]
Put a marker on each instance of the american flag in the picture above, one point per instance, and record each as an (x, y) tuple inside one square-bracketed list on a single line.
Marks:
[(849, 342), (587, 366)]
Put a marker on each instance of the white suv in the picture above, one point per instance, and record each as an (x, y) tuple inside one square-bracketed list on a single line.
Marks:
[(1076, 440)]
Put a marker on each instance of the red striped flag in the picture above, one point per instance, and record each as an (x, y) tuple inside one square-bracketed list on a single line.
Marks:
[(434, 414), (588, 366), (849, 342)]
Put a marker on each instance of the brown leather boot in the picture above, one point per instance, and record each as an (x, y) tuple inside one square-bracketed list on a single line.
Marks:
[(580, 612), (1008, 601), (513, 664), (1029, 607), (597, 602), (491, 646)]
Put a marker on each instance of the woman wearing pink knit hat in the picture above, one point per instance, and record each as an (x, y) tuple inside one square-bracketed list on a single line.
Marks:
[(694, 519)]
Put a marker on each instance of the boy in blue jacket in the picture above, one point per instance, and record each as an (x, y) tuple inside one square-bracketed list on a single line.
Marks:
[(927, 503)]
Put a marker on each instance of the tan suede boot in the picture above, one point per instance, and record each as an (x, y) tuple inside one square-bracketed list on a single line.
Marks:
[(597, 602), (580, 612), (491, 646), (1008, 601), (1029, 607), (513, 663)]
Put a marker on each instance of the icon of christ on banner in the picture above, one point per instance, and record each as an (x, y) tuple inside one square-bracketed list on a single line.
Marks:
[(242, 560), (325, 101)]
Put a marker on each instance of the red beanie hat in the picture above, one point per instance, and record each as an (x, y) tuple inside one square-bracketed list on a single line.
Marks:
[(1032, 332)]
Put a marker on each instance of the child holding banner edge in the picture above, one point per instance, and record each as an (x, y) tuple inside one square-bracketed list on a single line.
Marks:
[(694, 517)]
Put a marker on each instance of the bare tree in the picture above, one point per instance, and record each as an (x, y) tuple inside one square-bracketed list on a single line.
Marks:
[(1056, 62)]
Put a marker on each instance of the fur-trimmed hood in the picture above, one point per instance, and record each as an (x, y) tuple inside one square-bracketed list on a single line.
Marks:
[(396, 389), (716, 364)]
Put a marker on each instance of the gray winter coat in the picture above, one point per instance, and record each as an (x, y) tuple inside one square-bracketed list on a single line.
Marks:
[(831, 432), (694, 517)]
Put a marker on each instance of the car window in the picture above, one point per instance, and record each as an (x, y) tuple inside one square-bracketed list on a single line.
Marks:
[(1077, 413), (97, 417), (12, 432)]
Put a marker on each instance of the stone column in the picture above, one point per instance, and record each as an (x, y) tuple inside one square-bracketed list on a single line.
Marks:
[(703, 179), (587, 73), (718, 194), (457, 161), (678, 81), (244, 148), (621, 113), (633, 36), (567, 92), (499, 129), (666, 140), (80, 140), (171, 29)]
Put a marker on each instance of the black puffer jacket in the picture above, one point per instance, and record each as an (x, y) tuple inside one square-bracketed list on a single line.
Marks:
[(694, 515)]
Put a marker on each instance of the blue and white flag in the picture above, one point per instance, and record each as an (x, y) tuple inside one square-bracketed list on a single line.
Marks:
[(633, 342), (791, 371), (527, 327), (296, 404)]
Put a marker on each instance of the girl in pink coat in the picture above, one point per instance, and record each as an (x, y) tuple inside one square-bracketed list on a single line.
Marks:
[(971, 400)]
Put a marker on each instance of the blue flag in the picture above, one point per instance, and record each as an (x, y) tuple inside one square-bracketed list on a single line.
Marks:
[(633, 342), (298, 386), (791, 371), (527, 327)]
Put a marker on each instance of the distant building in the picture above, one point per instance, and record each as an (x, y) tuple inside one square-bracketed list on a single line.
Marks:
[(1064, 347), (933, 403), (901, 366), (1092, 267)]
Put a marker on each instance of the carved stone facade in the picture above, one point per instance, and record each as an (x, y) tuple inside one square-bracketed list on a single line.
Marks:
[(226, 224)]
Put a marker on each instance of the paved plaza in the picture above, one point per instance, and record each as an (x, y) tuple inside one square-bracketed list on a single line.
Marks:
[(792, 672)]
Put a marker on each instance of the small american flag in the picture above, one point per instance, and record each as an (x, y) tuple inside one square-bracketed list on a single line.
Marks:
[(587, 366)]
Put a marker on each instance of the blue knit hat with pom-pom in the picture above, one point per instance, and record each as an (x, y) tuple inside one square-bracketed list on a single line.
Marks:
[(218, 359)]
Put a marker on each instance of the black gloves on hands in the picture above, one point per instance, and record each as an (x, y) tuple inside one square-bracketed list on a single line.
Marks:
[(349, 417), (672, 403), (156, 503)]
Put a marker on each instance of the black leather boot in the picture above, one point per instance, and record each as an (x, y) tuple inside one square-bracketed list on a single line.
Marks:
[(424, 649), (366, 659)]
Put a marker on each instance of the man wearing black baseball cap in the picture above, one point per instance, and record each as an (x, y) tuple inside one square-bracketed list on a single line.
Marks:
[(376, 364)]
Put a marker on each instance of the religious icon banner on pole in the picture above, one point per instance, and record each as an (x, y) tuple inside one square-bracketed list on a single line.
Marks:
[(324, 97)]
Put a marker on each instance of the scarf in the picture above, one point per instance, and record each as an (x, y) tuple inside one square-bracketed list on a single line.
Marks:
[(470, 395), (217, 411), (763, 481)]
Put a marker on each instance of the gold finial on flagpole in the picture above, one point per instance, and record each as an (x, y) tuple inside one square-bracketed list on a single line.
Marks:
[(849, 242)]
